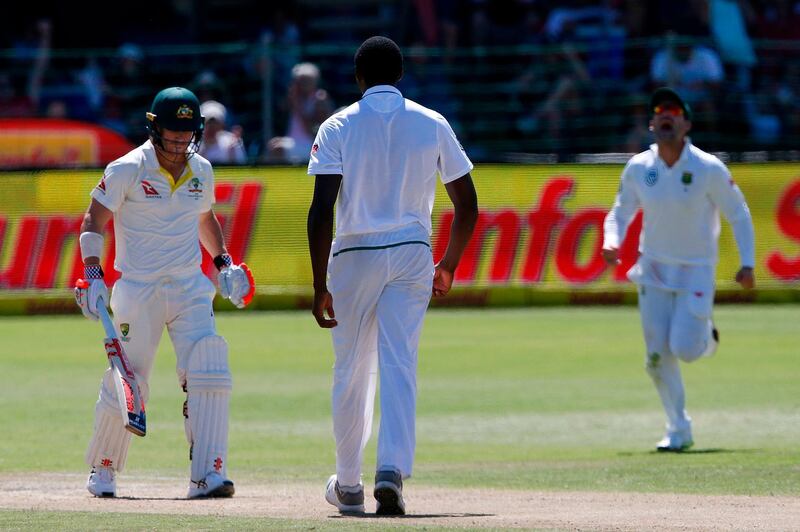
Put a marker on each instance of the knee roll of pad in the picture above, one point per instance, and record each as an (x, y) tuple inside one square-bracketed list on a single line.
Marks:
[(208, 388)]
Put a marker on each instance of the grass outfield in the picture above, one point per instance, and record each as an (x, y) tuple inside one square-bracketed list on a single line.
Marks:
[(539, 399)]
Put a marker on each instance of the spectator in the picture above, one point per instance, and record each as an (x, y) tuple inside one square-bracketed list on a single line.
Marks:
[(219, 145), (308, 107), (14, 99), (128, 94), (553, 85), (727, 19), (694, 71), (208, 86)]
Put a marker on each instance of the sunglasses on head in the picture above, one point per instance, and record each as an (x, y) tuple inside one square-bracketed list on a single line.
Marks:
[(669, 108)]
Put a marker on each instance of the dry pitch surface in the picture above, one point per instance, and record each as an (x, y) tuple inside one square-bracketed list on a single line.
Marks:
[(427, 506)]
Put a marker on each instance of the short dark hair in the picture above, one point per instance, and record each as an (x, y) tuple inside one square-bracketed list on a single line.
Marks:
[(379, 61)]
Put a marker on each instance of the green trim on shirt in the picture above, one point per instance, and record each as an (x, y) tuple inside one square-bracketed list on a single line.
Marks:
[(363, 248)]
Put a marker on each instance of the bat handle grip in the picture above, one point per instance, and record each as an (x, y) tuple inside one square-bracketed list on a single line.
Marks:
[(108, 325)]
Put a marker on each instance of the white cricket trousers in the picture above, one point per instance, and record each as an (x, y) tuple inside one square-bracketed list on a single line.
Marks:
[(381, 286), (141, 311), (676, 326)]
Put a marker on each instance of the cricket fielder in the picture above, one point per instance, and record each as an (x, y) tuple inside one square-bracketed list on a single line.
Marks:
[(681, 190), (380, 157), (160, 196)]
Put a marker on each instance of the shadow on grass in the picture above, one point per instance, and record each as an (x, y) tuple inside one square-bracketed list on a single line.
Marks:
[(408, 516), (711, 450), (132, 498)]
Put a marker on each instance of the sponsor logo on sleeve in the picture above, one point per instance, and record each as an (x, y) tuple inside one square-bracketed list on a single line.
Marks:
[(314, 149)]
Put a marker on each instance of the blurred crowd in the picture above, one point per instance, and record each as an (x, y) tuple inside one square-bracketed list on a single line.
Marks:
[(562, 76)]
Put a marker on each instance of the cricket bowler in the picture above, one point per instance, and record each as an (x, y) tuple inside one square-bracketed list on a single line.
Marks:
[(160, 196), (377, 161), (681, 190)]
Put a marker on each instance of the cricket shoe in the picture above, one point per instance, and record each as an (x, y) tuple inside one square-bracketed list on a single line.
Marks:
[(713, 341), (389, 493), (101, 482), (214, 486), (349, 500), (675, 442)]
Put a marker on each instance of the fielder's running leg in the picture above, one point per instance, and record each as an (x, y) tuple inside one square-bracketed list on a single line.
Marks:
[(656, 308), (691, 334)]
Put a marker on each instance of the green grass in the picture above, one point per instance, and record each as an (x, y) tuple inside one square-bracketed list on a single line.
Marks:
[(544, 399)]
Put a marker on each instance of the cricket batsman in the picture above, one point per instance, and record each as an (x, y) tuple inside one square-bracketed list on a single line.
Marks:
[(681, 190), (160, 196)]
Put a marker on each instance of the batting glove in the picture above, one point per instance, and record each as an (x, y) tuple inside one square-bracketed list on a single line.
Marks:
[(236, 283), (89, 289)]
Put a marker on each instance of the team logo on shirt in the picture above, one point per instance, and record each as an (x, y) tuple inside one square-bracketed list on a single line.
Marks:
[(149, 190), (125, 328), (651, 177), (686, 178), (101, 186), (195, 188)]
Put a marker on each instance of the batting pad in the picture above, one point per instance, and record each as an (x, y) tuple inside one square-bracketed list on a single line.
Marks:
[(110, 441), (208, 387)]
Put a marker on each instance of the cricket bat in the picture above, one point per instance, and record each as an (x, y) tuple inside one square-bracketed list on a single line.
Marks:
[(128, 393)]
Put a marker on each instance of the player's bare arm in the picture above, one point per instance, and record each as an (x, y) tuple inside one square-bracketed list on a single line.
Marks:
[(465, 203), (320, 236), (94, 221), (211, 234)]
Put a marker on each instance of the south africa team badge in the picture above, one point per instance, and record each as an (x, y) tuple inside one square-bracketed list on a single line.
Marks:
[(651, 177)]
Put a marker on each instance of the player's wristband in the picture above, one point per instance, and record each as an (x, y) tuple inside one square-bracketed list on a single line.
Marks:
[(223, 261), (91, 244), (92, 271)]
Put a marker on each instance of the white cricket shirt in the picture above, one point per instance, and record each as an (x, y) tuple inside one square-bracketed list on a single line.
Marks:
[(156, 220), (388, 150), (681, 208)]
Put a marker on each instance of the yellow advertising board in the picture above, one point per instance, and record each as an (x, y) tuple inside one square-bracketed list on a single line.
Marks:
[(537, 238)]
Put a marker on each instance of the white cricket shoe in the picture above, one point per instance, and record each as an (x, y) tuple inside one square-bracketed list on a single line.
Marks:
[(101, 482), (675, 442), (349, 500), (213, 486)]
